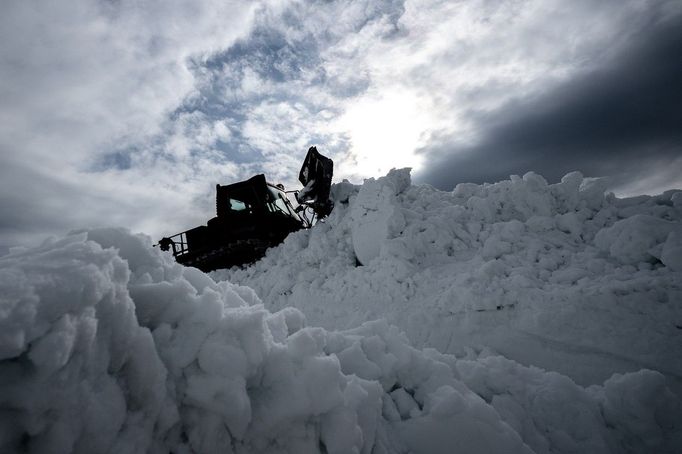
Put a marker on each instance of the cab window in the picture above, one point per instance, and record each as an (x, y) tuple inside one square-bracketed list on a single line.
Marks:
[(277, 203), (237, 205)]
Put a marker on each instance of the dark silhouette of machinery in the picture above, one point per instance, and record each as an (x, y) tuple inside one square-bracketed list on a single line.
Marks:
[(252, 216)]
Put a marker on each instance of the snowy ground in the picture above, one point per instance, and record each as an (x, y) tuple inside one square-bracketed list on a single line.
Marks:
[(514, 317)]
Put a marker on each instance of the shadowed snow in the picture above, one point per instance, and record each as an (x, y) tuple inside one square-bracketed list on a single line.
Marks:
[(108, 345)]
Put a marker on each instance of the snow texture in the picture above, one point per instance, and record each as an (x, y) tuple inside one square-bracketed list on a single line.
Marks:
[(559, 276), (108, 345)]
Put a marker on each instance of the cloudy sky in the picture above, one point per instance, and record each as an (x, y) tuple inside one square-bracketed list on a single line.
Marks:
[(128, 112)]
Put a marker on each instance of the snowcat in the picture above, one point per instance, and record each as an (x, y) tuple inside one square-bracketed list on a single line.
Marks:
[(254, 215)]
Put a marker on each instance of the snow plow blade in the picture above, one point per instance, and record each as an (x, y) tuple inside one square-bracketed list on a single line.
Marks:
[(316, 178)]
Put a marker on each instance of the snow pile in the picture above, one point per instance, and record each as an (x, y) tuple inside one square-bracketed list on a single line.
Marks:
[(109, 346), (559, 276)]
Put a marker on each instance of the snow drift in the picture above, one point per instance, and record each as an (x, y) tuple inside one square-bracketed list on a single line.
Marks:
[(107, 345)]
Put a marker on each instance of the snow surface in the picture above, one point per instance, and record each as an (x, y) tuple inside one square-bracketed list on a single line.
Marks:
[(108, 345), (558, 276)]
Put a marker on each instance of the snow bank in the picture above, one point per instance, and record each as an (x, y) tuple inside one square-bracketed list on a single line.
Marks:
[(109, 346), (559, 276)]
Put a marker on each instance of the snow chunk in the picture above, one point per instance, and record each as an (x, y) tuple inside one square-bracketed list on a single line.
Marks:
[(375, 214), (644, 412), (637, 238), (671, 255)]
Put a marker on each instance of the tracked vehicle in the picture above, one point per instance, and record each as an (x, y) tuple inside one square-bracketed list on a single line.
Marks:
[(252, 216)]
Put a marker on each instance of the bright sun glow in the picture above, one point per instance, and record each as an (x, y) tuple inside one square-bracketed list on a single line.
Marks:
[(385, 131)]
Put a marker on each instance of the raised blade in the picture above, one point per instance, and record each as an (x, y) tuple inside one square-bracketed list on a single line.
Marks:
[(316, 178)]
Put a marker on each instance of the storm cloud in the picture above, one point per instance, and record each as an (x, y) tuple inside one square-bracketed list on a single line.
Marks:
[(622, 120)]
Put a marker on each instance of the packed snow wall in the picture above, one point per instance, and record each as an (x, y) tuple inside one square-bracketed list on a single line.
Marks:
[(561, 276), (107, 345)]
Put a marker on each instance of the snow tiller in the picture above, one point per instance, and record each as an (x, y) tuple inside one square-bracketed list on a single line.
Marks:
[(253, 215)]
